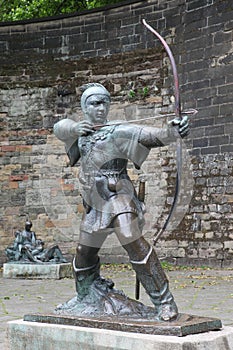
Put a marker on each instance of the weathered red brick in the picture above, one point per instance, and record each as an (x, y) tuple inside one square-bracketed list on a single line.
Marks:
[(67, 187), (49, 223), (13, 184), (22, 177), (8, 148), (24, 148)]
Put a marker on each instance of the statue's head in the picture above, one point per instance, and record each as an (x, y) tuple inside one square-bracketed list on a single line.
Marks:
[(28, 225), (95, 102)]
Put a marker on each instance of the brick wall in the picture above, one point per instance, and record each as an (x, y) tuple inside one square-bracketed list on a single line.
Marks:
[(42, 64)]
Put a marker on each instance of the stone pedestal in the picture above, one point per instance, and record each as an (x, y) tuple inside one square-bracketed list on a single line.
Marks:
[(40, 271), (25, 335)]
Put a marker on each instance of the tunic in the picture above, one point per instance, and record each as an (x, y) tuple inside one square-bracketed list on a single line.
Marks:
[(106, 188)]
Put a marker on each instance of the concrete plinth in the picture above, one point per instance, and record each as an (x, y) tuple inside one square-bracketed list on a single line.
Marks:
[(24, 335), (40, 271)]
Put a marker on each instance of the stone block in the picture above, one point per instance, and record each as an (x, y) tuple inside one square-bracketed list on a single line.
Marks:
[(24, 335), (37, 271)]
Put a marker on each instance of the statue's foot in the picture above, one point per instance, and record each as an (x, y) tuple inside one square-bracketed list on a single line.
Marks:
[(105, 301), (167, 311)]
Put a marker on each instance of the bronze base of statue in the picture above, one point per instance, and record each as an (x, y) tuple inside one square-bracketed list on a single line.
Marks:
[(109, 308), (184, 324)]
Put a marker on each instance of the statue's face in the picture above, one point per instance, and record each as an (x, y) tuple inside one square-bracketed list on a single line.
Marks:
[(28, 227), (97, 107)]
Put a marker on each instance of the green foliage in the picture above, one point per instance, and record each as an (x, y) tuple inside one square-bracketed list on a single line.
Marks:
[(139, 93), (99, 3), (132, 93), (13, 10)]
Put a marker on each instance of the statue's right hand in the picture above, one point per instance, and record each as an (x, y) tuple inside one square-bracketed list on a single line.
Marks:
[(82, 128)]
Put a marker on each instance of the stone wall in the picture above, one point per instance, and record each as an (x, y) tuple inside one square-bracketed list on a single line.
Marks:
[(42, 65)]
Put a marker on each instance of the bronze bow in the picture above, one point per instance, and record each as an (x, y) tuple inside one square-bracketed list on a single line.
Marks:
[(178, 114)]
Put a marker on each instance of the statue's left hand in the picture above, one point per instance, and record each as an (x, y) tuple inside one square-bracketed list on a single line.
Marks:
[(182, 125)]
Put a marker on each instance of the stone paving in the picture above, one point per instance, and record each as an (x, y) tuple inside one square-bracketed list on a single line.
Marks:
[(204, 292)]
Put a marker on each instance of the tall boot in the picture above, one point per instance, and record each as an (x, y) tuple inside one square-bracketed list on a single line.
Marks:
[(84, 278), (90, 286), (151, 275)]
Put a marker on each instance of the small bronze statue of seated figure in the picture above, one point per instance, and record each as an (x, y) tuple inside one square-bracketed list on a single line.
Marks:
[(27, 248)]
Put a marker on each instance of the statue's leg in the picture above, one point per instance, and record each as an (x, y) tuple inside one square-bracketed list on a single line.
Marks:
[(147, 267), (54, 252), (86, 266), (28, 255), (150, 273), (59, 254)]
